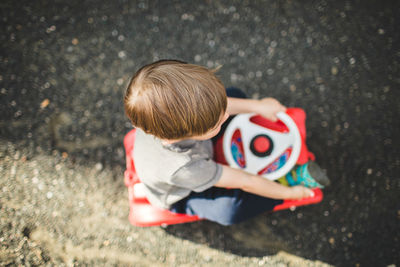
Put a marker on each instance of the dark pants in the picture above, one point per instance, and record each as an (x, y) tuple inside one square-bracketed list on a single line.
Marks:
[(221, 205)]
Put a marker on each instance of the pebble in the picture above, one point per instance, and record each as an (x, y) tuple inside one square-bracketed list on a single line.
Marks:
[(234, 77), (334, 70), (49, 195), (13, 171), (122, 54), (120, 81), (51, 29), (99, 166)]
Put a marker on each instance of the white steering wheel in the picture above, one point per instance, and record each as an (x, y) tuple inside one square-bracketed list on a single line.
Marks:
[(278, 143)]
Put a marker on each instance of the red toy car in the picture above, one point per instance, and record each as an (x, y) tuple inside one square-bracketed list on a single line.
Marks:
[(250, 142)]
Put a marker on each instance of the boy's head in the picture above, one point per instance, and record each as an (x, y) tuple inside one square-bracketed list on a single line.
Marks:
[(174, 100)]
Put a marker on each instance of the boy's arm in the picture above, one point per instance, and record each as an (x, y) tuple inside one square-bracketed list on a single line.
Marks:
[(267, 107), (235, 178)]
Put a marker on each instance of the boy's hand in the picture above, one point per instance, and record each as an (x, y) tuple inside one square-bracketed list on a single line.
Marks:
[(298, 192), (268, 107)]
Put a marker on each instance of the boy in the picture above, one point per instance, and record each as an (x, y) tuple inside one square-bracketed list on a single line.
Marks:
[(177, 108)]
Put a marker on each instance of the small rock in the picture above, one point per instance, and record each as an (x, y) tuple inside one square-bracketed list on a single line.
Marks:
[(334, 70), (49, 195), (44, 103), (99, 166)]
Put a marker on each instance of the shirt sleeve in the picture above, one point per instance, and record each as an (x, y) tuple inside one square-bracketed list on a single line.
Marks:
[(197, 175)]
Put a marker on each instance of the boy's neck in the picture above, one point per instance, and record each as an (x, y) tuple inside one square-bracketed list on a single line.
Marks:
[(167, 142)]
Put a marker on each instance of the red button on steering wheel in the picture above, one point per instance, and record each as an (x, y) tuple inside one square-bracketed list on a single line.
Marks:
[(261, 145)]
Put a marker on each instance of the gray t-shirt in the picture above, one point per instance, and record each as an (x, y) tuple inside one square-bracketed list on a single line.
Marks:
[(172, 172)]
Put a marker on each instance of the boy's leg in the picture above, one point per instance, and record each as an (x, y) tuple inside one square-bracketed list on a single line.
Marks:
[(309, 175), (224, 206)]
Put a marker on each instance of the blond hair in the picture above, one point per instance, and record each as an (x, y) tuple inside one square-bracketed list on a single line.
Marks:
[(174, 100)]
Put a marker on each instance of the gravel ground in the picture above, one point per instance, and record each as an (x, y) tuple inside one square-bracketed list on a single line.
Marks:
[(63, 69)]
